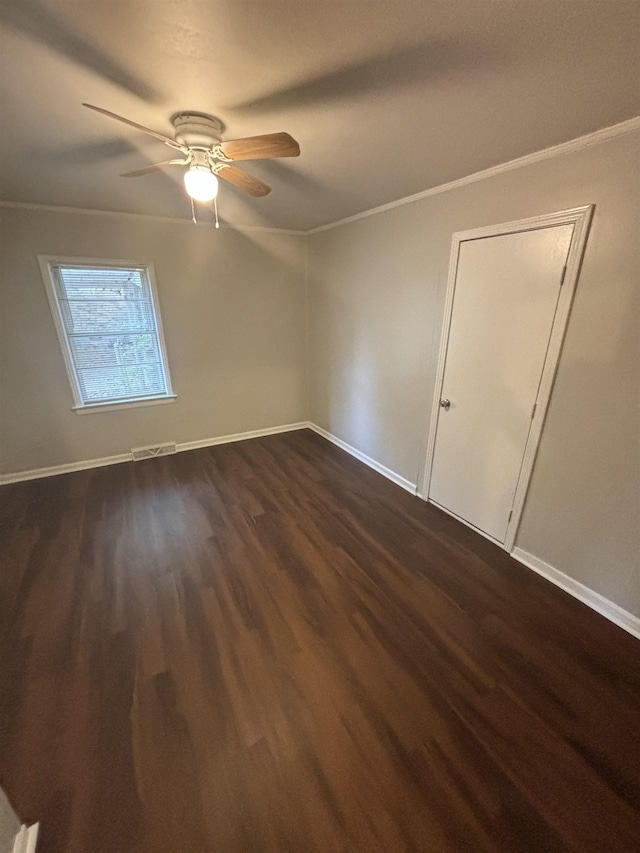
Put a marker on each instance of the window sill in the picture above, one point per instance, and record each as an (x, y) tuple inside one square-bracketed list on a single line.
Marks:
[(92, 408)]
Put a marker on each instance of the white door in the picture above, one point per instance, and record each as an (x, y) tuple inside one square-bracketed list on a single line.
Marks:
[(506, 292)]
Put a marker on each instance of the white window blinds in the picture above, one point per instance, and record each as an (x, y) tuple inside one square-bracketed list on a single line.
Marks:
[(111, 332)]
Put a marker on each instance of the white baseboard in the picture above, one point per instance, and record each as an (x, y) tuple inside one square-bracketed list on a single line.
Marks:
[(377, 466), (37, 473), (27, 839), (239, 436), (83, 465), (578, 590)]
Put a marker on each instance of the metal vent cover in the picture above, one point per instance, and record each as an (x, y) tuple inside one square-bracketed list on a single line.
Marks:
[(138, 453)]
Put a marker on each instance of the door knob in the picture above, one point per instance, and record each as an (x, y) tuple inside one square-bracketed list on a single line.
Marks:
[(446, 404)]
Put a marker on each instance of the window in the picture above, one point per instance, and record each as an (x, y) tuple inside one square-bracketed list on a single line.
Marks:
[(108, 323)]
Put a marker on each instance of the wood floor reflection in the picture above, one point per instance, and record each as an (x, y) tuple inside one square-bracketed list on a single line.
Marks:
[(266, 646)]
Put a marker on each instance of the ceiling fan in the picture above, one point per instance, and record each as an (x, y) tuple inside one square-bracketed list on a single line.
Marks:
[(207, 157)]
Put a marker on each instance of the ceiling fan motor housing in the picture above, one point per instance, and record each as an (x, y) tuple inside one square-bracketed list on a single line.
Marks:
[(197, 130)]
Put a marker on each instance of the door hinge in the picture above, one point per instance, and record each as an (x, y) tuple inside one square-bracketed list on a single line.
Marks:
[(533, 411), (564, 272)]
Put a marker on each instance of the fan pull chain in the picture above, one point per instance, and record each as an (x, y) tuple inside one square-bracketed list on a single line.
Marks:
[(193, 213), (215, 207)]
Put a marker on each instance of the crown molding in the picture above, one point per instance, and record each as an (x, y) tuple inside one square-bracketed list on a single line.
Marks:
[(598, 136), (54, 208), (594, 138)]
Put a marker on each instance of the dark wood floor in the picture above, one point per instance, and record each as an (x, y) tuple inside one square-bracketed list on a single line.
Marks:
[(266, 646)]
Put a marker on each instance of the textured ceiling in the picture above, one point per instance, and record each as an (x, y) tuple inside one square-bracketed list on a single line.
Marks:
[(386, 98)]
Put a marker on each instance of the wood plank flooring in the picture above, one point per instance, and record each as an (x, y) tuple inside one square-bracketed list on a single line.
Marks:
[(266, 646)]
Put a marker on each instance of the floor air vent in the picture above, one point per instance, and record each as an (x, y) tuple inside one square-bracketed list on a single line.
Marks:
[(138, 453)]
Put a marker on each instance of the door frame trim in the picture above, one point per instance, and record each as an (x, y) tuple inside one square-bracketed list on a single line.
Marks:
[(580, 218)]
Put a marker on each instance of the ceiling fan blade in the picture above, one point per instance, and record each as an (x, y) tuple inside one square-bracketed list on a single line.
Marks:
[(166, 139), (261, 147), (137, 172), (243, 181)]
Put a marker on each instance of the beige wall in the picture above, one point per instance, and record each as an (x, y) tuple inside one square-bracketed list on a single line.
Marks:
[(233, 311), (376, 297)]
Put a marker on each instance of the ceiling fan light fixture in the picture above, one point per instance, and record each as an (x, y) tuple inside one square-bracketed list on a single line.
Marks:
[(200, 183), (198, 137)]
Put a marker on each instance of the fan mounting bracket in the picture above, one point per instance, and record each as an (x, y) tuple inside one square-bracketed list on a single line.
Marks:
[(216, 168), (219, 154)]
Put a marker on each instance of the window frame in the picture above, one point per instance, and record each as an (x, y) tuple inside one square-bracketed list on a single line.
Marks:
[(46, 262)]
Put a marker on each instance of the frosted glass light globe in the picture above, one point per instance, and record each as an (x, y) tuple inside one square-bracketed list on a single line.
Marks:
[(201, 183)]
